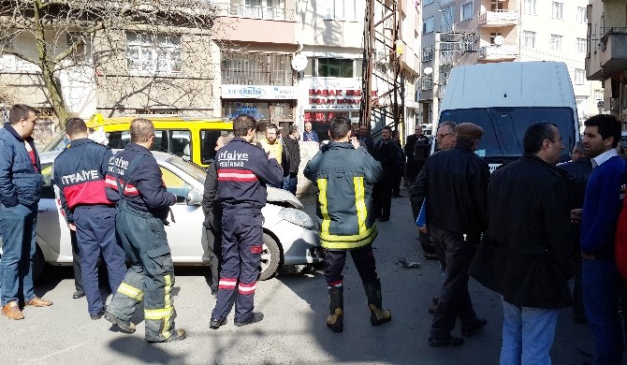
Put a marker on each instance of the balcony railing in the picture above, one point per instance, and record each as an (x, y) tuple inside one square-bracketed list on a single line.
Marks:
[(505, 17), (606, 31), (503, 51), (260, 12), (447, 57)]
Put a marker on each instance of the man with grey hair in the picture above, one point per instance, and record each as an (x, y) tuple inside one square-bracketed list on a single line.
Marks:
[(455, 183), (134, 180)]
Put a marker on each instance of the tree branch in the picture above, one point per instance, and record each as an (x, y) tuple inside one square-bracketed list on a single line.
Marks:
[(21, 56), (65, 54)]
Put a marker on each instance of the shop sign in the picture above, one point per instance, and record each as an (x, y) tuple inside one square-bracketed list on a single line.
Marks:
[(335, 99), (258, 92)]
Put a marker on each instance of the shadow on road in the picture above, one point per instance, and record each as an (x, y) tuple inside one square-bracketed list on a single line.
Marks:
[(140, 350)]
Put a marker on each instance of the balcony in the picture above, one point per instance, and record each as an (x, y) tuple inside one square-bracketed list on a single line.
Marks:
[(498, 18), (260, 24), (260, 12), (612, 52), (498, 53)]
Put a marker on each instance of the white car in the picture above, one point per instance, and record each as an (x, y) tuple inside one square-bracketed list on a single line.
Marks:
[(290, 236)]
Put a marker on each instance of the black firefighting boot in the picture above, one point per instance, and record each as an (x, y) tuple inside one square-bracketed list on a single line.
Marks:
[(378, 315), (336, 308)]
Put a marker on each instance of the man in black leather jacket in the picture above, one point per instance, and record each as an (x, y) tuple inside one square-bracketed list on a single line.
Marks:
[(455, 184)]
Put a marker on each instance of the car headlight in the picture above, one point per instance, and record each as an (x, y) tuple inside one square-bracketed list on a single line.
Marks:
[(298, 217)]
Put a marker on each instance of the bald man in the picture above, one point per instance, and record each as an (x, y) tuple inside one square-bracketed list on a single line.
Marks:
[(212, 226)]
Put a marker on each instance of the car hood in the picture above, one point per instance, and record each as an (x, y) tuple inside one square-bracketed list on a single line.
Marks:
[(283, 198)]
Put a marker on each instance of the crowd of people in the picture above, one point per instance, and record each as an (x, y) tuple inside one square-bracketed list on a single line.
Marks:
[(523, 231)]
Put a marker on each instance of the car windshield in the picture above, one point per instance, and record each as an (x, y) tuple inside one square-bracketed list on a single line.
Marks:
[(504, 128), (193, 170)]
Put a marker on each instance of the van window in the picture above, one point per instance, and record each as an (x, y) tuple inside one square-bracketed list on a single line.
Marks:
[(174, 141), (208, 140), (504, 128)]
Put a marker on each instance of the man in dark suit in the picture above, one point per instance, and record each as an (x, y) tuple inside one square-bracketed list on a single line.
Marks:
[(417, 148)]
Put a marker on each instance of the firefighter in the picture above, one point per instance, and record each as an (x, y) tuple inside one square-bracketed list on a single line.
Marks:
[(244, 170), (135, 181), (79, 172), (345, 173)]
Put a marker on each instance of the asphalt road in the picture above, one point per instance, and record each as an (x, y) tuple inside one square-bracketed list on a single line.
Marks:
[(293, 331)]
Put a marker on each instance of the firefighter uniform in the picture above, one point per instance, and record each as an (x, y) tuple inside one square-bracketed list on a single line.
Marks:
[(243, 172), (134, 178), (345, 179), (79, 172)]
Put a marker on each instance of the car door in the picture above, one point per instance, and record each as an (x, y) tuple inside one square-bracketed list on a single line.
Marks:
[(53, 234), (184, 233)]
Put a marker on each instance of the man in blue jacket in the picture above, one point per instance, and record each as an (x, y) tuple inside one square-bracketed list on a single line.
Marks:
[(244, 171), (79, 172), (345, 174), (20, 189), (602, 203), (135, 181)]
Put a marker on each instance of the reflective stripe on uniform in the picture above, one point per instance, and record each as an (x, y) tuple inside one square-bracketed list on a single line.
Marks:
[(360, 203), (332, 241), (227, 283), (247, 289), (324, 208), (168, 290), (131, 291), (158, 314)]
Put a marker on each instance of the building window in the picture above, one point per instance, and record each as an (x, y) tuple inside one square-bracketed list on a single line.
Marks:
[(252, 68), (530, 7), (427, 82), (427, 26), (466, 11), (598, 95), (153, 53), (260, 9), (427, 54), (582, 17), (580, 76), (529, 39), (581, 45), (558, 10), (335, 67), (344, 9), (448, 18), (556, 42)]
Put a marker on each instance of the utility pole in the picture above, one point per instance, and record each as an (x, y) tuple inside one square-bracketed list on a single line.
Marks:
[(435, 106), (382, 98)]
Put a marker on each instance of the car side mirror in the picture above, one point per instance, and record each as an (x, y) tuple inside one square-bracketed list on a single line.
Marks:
[(193, 198)]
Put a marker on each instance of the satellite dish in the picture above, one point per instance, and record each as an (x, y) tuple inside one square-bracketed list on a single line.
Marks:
[(498, 40), (299, 62), (428, 71)]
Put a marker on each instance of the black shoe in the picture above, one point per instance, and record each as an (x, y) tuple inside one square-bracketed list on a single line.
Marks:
[(384, 219), (254, 318), (177, 335), (431, 255), (123, 326), (214, 324), (98, 315), (78, 294), (477, 325), (449, 341)]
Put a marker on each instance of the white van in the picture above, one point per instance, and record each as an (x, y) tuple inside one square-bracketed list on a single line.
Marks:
[(505, 99)]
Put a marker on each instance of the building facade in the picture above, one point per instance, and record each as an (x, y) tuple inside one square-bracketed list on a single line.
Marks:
[(606, 53), (461, 32)]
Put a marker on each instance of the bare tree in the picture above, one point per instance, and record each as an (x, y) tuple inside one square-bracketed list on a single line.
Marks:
[(64, 33)]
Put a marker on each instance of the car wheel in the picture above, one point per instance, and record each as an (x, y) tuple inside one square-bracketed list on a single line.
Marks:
[(270, 258), (39, 264)]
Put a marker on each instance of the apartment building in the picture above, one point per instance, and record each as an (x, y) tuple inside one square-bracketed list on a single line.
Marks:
[(606, 53), (460, 32), (331, 36), (130, 69)]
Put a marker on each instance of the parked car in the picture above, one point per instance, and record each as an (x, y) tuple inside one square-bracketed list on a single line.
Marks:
[(290, 236)]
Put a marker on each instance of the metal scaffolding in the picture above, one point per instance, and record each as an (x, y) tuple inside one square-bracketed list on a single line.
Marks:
[(382, 79)]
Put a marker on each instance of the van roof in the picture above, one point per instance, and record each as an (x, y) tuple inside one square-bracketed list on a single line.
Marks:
[(155, 119), (509, 84)]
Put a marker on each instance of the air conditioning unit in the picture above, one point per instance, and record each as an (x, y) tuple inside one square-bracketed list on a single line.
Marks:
[(614, 104)]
